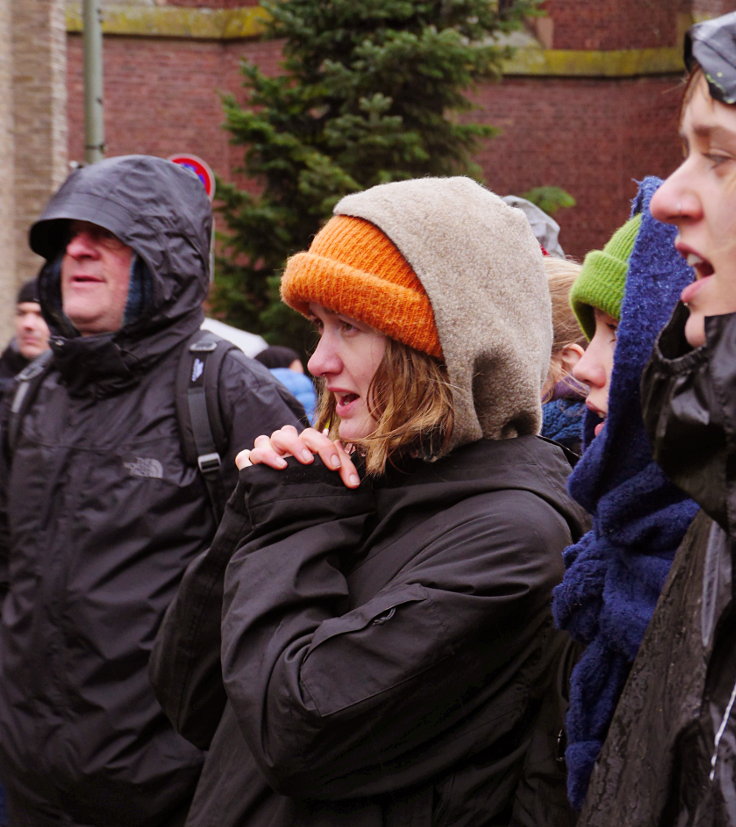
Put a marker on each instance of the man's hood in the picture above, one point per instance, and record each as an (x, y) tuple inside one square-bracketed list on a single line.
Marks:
[(481, 266), (159, 209)]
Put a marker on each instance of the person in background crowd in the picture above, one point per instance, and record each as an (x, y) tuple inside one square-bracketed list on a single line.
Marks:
[(31, 337), (670, 755), (546, 230), (614, 575), (563, 397), (380, 594), (99, 510), (285, 364)]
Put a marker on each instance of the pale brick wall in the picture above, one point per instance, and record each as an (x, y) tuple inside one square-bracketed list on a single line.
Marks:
[(34, 130), (7, 177)]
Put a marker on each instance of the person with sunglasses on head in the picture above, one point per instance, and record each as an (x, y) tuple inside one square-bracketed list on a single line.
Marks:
[(670, 754)]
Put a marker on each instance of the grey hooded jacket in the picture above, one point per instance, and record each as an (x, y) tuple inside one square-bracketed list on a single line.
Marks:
[(99, 513)]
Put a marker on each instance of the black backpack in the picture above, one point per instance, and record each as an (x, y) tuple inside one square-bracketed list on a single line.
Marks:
[(203, 432)]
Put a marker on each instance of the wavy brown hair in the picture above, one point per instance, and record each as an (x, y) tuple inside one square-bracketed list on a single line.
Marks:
[(411, 400)]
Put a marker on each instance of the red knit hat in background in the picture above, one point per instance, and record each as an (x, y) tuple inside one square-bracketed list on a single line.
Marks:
[(351, 267)]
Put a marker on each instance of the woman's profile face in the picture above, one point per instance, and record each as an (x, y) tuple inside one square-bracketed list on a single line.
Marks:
[(595, 366), (699, 198), (346, 357)]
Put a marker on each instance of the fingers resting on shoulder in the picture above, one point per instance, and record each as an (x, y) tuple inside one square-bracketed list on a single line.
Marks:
[(303, 446)]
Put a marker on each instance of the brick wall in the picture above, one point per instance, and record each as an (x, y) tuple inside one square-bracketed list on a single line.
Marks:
[(712, 8), (591, 137), (163, 96), (615, 24), (577, 129), (7, 175), (33, 132), (39, 61)]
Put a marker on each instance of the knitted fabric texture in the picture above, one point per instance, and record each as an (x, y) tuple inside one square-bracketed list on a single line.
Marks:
[(615, 573), (353, 268), (562, 421), (482, 269), (603, 276)]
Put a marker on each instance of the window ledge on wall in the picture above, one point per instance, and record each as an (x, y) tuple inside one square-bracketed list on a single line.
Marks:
[(581, 63), (530, 58), (174, 21)]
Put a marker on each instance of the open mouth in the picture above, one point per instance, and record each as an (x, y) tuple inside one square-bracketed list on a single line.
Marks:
[(346, 398), (702, 268)]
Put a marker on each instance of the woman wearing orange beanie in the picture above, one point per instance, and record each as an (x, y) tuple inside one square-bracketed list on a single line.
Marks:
[(368, 641)]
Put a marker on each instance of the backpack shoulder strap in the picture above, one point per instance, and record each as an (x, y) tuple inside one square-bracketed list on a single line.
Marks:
[(28, 381), (204, 435)]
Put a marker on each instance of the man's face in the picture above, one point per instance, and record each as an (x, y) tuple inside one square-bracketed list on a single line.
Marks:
[(31, 331), (95, 274)]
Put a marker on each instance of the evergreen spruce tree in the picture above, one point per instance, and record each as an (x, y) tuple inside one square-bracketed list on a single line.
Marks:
[(370, 92)]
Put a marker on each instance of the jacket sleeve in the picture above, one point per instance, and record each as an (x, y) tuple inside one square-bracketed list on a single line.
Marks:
[(336, 701), (185, 663), (5, 401), (688, 411), (184, 667)]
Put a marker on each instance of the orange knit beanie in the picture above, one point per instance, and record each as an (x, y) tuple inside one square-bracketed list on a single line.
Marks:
[(352, 268)]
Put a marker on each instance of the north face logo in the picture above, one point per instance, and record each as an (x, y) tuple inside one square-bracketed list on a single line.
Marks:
[(143, 467)]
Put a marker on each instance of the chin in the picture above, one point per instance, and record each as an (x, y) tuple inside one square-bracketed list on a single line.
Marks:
[(695, 330), (351, 430)]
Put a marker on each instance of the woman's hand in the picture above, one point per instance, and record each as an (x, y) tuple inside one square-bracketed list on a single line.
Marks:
[(287, 442)]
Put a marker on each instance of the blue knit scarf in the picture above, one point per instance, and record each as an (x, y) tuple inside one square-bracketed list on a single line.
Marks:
[(562, 420), (615, 573)]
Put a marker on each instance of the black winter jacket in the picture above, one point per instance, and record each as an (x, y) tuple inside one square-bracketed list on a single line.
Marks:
[(670, 755), (99, 516), (385, 650), (12, 363)]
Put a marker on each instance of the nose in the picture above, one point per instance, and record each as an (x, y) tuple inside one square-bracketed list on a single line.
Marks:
[(589, 370), (81, 244), (675, 201), (325, 360)]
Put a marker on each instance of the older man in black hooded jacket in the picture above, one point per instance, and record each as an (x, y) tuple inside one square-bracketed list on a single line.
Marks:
[(99, 511)]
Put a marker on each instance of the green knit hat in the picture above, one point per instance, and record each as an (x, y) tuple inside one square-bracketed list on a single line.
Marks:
[(603, 277)]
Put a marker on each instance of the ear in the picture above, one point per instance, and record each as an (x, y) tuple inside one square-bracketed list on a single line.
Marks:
[(570, 355)]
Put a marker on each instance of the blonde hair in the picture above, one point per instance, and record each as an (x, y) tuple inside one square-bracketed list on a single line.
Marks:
[(411, 400), (561, 274)]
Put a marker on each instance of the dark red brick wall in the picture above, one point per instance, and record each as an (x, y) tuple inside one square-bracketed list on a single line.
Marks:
[(589, 136), (712, 8), (162, 96), (614, 24)]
